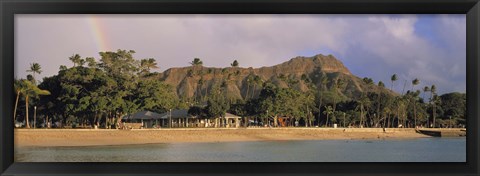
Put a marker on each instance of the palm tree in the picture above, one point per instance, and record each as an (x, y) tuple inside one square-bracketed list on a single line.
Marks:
[(323, 82), (35, 68), (393, 79), (387, 111), (433, 90), (362, 104), (414, 97), (19, 87), (75, 59), (414, 83), (31, 90), (196, 61), (401, 110), (147, 64), (379, 103), (338, 88), (369, 82), (151, 63), (436, 100), (328, 111), (234, 64), (425, 90)]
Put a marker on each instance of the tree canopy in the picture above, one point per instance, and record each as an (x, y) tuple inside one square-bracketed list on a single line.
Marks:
[(101, 91)]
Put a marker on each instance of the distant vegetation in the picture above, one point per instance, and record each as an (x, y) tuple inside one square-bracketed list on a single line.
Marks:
[(99, 92)]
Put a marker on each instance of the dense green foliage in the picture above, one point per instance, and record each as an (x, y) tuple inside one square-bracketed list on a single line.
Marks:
[(104, 91)]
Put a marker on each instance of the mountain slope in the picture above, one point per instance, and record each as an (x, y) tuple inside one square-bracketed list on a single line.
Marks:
[(295, 73)]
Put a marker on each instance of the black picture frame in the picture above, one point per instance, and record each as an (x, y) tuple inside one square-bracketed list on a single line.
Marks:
[(8, 8)]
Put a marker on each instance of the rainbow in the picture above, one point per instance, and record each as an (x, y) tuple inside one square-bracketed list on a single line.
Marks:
[(97, 29)]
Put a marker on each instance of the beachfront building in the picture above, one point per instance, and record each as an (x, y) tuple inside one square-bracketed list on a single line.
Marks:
[(232, 121), (143, 119), (178, 118), (147, 119)]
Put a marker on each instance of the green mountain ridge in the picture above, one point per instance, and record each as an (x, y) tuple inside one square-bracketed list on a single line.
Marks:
[(299, 73)]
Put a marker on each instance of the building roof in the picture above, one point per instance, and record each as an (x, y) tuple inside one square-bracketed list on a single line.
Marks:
[(176, 113), (231, 116), (142, 115)]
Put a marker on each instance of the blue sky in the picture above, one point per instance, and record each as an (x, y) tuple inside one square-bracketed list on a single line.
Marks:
[(431, 48)]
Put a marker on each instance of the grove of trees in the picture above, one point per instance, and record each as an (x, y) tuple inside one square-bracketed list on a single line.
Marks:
[(100, 92)]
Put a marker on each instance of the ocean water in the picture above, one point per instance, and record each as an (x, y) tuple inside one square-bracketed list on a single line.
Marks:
[(404, 150)]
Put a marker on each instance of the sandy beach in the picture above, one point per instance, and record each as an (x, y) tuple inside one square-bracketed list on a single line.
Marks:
[(90, 137)]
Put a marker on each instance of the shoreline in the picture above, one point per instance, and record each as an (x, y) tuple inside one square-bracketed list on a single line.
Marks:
[(105, 137)]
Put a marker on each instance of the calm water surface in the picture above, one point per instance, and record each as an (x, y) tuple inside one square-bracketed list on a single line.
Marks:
[(407, 150)]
